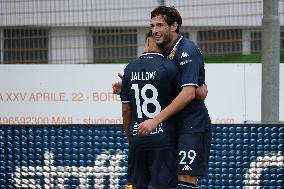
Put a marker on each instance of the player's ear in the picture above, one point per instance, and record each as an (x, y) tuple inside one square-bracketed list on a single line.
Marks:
[(148, 41), (146, 45), (174, 26)]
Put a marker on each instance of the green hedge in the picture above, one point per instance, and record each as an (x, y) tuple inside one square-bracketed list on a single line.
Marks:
[(253, 58)]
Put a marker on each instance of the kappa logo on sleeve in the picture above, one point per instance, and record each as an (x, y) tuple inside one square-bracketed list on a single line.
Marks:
[(184, 55)]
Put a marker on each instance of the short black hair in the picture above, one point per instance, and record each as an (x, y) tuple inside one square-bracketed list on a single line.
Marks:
[(171, 13)]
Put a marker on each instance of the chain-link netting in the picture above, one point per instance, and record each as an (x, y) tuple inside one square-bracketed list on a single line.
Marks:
[(94, 31)]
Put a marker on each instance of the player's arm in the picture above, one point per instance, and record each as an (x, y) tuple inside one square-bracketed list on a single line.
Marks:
[(126, 106), (186, 95), (126, 116), (201, 92)]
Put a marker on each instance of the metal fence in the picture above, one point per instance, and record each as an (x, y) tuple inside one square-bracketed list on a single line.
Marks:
[(94, 31)]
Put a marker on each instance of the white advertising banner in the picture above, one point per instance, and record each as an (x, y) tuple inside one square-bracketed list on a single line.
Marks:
[(82, 93)]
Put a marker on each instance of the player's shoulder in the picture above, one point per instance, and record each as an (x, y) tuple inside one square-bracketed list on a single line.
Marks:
[(188, 48), (187, 45), (131, 63), (129, 67)]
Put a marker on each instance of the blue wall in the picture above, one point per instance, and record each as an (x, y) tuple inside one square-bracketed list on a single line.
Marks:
[(56, 156)]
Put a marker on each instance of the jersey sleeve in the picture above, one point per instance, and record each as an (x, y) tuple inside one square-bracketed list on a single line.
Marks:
[(190, 62), (125, 89)]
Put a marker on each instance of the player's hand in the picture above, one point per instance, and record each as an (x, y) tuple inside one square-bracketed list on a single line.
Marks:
[(120, 75), (146, 127), (201, 92), (116, 87)]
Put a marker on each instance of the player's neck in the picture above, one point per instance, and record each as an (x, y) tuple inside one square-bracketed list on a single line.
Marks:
[(174, 38), (154, 50)]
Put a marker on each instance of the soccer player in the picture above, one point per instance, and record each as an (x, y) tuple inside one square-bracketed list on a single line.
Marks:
[(149, 84), (193, 121)]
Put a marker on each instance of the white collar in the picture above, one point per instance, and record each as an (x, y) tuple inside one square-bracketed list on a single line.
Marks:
[(152, 53)]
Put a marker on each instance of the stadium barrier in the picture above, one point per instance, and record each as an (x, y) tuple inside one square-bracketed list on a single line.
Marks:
[(95, 156)]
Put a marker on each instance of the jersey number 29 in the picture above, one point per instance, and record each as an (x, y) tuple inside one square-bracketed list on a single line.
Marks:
[(146, 100)]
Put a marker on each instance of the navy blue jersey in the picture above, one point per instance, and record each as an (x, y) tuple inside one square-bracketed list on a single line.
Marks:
[(194, 117), (150, 84)]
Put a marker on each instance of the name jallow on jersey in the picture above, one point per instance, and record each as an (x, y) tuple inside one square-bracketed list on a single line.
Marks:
[(138, 76)]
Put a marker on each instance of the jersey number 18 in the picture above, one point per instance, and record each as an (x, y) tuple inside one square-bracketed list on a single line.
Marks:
[(146, 100)]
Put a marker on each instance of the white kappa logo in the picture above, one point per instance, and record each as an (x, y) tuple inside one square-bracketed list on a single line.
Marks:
[(184, 55), (186, 168)]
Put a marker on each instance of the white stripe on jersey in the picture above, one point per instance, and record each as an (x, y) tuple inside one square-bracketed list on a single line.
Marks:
[(187, 186), (146, 54), (125, 102), (178, 42), (189, 84)]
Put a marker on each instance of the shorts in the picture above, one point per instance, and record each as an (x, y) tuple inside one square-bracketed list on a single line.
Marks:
[(193, 153), (155, 167)]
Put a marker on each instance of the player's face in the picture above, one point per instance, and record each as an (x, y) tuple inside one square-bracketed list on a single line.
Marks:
[(161, 31)]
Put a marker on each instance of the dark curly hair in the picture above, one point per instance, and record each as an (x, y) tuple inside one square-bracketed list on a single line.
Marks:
[(171, 13)]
